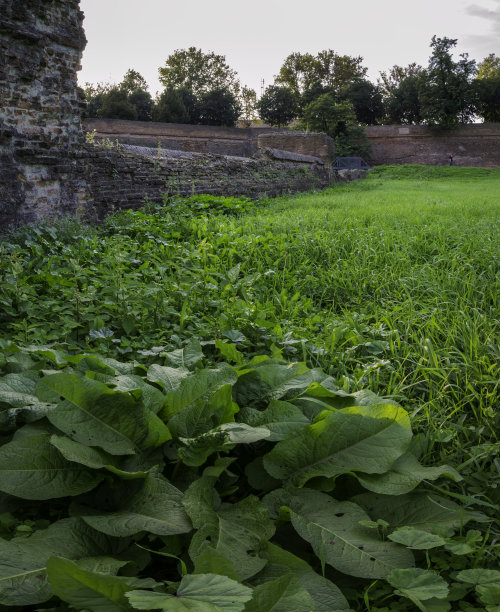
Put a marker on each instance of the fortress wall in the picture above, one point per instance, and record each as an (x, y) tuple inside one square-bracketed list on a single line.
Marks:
[(41, 166), (471, 145), (242, 142)]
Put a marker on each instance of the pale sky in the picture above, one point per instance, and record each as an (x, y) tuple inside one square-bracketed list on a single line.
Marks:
[(256, 36)]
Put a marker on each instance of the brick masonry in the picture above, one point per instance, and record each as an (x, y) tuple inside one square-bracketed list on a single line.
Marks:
[(471, 145), (122, 179), (41, 172), (243, 142)]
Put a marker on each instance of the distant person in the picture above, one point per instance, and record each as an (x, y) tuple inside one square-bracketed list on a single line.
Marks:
[(450, 160)]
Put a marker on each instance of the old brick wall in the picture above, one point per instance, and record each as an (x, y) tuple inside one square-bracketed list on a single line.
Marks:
[(240, 142), (243, 142), (471, 145), (304, 143), (41, 171), (122, 179)]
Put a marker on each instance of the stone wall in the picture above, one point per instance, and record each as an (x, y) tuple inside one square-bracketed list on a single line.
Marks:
[(303, 143), (243, 142), (122, 179), (240, 142), (470, 145), (41, 170)]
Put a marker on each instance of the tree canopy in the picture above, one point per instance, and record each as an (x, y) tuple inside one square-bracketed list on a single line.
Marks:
[(198, 71), (302, 71), (278, 105)]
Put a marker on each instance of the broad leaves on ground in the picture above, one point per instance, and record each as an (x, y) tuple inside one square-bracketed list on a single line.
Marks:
[(199, 593), (368, 439), (155, 508), (84, 589), (23, 561), (93, 414), (333, 529), (32, 468), (198, 474)]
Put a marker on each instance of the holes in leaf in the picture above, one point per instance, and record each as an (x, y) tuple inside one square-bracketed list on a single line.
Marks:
[(340, 514)]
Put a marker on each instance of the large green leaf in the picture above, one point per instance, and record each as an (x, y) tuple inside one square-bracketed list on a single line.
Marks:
[(23, 561), (281, 418), (156, 508), (202, 416), (211, 561), (418, 584), (93, 414), (419, 510), (238, 531), (186, 357), (198, 388), (152, 397), (327, 596), (198, 593), (94, 458), (281, 595), (363, 438), (273, 380), (87, 590), (31, 468), (169, 378), (416, 539), (333, 529), (195, 451), (406, 474), (18, 390)]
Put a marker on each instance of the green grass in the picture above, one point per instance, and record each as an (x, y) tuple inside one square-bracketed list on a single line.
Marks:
[(389, 284)]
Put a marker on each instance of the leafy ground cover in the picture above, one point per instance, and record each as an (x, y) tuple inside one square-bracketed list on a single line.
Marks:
[(225, 405)]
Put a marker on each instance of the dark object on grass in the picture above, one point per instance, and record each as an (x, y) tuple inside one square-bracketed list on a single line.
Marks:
[(350, 163)]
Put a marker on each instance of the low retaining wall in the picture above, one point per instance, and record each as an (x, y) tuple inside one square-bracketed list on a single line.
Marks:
[(241, 142), (122, 179), (471, 145)]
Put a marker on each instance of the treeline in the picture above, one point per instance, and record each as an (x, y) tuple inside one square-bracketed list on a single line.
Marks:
[(326, 92)]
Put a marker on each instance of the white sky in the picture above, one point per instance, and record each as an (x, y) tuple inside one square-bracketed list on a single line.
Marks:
[(257, 35)]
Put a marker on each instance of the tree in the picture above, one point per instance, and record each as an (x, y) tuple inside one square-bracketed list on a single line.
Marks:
[(170, 108), (302, 72), (115, 105), (219, 107), (487, 86), (489, 67), (94, 95), (445, 89), (391, 80), (198, 71), (339, 70), (488, 93), (278, 106), (299, 72), (403, 104), (366, 100), (248, 103), (143, 103), (132, 81), (338, 120)]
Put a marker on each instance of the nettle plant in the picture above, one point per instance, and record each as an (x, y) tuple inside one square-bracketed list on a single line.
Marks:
[(250, 488)]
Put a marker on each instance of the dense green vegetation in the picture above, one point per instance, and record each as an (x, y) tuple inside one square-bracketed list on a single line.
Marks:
[(203, 401)]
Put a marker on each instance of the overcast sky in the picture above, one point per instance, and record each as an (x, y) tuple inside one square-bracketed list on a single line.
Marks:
[(256, 36)]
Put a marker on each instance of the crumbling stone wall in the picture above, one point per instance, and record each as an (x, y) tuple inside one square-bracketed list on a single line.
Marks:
[(42, 171), (122, 179), (243, 142), (470, 145), (303, 143)]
